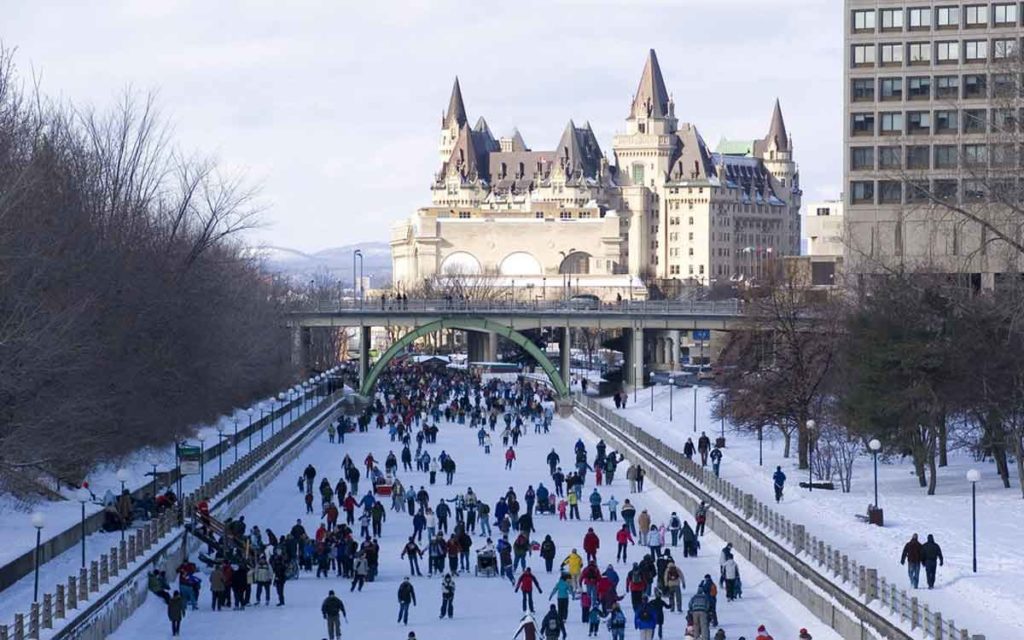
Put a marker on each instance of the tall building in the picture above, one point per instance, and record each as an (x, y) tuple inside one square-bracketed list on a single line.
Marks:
[(823, 228), (932, 102), (665, 208)]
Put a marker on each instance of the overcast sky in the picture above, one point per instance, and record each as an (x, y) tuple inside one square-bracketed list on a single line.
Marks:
[(334, 106)]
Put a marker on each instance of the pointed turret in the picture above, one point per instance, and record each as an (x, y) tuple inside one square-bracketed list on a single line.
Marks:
[(651, 100), (518, 144), (456, 113), (777, 130)]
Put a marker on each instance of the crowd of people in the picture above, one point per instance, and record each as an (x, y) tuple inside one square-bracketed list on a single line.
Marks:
[(459, 533)]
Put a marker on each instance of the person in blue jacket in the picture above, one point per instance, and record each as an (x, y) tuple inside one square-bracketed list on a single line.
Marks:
[(645, 619), (780, 481)]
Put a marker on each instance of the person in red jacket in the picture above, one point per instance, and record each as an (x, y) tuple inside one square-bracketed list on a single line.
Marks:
[(591, 543), (331, 513), (350, 507), (589, 578), (526, 584), (762, 634), (321, 533), (510, 455), (369, 464), (636, 584), (622, 536)]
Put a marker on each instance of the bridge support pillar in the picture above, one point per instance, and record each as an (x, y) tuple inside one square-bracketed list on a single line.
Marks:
[(492, 347), (364, 353), (300, 348), (634, 365), (673, 345), (479, 346), (565, 354)]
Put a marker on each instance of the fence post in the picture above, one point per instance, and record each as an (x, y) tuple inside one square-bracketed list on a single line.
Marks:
[(846, 568), (862, 581), (799, 534), (113, 561), (83, 584), (94, 577), (47, 611), (871, 592), (748, 505), (4, 633), (821, 552), (58, 610), (122, 556), (915, 613), (104, 568), (19, 626), (72, 592), (940, 633), (33, 620)]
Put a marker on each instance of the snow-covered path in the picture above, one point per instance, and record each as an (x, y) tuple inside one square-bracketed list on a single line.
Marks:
[(990, 602), (484, 607)]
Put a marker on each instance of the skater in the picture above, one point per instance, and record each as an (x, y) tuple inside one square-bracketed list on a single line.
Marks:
[(622, 537), (510, 456), (702, 517), (333, 609), (552, 625), (699, 610), (527, 627), (912, 557), (617, 622), (447, 596), (931, 553), (703, 447), (526, 584), (779, 479), (406, 595), (175, 612), (716, 460)]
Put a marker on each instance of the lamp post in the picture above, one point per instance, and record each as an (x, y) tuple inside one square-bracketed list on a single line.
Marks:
[(671, 385), (357, 280), (760, 445), (636, 381), (250, 411), (875, 447), (721, 414), (695, 407), (810, 472), (263, 409), (973, 476), (153, 461), (201, 436), (38, 521), (234, 441), (220, 448), (82, 495), (122, 477)]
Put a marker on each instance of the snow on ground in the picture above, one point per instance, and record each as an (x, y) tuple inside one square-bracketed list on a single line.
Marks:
[(990, 602), (484, 607), (19, 535)]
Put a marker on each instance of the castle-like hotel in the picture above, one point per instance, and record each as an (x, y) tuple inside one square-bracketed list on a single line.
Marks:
[(666, 208)]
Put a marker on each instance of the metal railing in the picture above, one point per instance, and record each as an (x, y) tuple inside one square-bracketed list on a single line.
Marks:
[(722, 308), (828, 562)]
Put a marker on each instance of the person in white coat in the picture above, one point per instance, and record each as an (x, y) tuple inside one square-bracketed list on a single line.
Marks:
[(732, 575)]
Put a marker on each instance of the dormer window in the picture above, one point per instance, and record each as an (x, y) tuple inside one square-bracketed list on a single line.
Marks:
[(642, 127)]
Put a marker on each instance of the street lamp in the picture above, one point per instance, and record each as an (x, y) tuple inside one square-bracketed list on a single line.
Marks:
[(875, 447), (38, 521), (263, 422), (82, 495), (760, 445), (153, 461), (220, 449), (671, 386), (234, 441), (122, 477), (201, 436), (973, 476), (357, 281), (810, 472), (250, 411)]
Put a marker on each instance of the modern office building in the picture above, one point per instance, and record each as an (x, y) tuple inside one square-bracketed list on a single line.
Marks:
[(932, 105)]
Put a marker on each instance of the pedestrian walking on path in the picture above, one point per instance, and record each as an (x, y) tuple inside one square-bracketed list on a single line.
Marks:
[(333, 609)]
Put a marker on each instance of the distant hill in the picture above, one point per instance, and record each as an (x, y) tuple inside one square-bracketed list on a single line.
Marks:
[(337, 261)]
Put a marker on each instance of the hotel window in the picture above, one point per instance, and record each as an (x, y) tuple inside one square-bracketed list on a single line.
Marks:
[(863, 192), (689, 251), (565, 215), (1004, 155), (947, 17), (947, 52), (975, 86), (945, 156), (863, 90), (976, 16), (976, 50), (863, 55), (975, 190), (919, 18), (862, 158), (890, 89), (917, 191), (974, 120), (891, 123), (944, 190), (539, 215), (890, 192), (1003, 85), (975, 155), (863, 124), (584, 215), (691, 220), (864, 20), (1004, 120), (891, 19), (919, 88), (919, 52), (946, 121), (638, 173), (1004, 48), (919, 122), (917, 157), (947, 86), (464, 215), (690, 238), (892, 54), (889, 158), (1004, 14)]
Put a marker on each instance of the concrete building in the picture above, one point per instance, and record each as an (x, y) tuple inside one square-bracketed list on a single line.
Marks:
[(822, 229), (665, 208), (932, 106)]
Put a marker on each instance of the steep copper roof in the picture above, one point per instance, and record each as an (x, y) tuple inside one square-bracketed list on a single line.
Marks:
[(651, 98), (578, 151), (691, 159), (456, 113), (776, 132)]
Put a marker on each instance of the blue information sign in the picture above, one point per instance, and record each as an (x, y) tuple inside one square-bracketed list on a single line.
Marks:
[(702, 335)]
